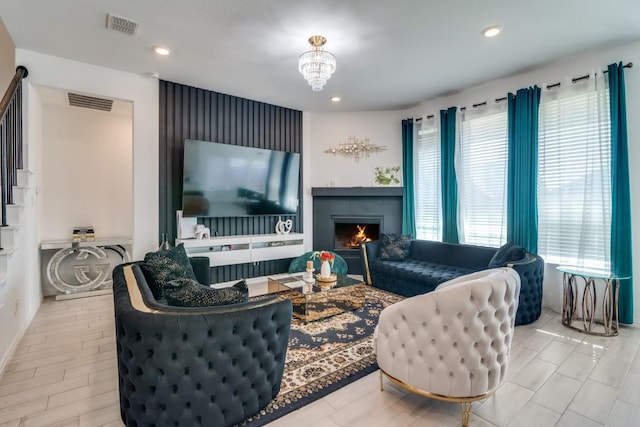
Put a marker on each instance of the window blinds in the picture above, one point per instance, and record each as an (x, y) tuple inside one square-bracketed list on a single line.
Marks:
[(574, 178), (427, 182), (481, 171)]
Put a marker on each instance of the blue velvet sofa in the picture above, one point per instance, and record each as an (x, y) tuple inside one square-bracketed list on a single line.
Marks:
[(430, 263), (192, 366)]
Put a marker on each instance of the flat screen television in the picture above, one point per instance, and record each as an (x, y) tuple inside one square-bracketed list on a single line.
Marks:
[(223, 180)]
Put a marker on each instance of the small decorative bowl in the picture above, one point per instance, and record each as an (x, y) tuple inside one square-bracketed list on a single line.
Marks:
[(329, 279)]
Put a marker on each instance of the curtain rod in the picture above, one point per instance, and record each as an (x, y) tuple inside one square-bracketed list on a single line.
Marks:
[(573, 80), (586, 76)]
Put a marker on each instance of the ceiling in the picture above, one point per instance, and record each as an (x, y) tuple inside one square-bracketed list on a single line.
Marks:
[(390, 54)]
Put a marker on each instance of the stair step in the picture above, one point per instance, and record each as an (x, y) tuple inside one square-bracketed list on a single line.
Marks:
[(14, 214), (22, 196), (8, 235), (24, 178)]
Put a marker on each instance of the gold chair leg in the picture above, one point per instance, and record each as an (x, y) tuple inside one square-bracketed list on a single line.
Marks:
[(465, 410), (381, 388)]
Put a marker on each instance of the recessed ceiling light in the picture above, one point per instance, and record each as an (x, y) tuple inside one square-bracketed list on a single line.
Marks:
[(492, 31), (335, 99), (161, 50)]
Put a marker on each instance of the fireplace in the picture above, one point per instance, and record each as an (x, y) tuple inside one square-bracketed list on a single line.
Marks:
[(343, 217), (349, 235)]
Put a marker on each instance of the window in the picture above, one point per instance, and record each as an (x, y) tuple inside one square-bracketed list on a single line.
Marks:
[(481, 171), (427, 182), (574, 178)]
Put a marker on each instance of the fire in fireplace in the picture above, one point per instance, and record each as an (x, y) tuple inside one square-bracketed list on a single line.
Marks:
[(350, 235)]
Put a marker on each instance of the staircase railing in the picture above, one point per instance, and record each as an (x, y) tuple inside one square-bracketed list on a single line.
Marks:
[(11, 157)]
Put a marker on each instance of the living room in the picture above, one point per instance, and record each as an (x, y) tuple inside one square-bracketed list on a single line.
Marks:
[(320, 131)]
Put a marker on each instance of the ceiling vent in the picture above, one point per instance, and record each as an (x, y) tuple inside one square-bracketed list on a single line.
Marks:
[(122, 25), (84, 101)]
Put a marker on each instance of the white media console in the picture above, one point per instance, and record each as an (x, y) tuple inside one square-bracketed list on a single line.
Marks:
[(227, 250)]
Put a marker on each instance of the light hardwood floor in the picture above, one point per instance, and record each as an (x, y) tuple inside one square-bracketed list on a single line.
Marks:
[(64, 374)]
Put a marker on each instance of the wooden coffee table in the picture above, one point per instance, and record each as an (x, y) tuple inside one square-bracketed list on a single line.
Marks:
[(312, 301)]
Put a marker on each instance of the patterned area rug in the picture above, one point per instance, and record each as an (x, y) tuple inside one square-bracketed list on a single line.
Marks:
[(325, 355)]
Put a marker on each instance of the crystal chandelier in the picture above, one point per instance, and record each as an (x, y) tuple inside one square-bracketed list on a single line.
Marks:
[(317, 65)]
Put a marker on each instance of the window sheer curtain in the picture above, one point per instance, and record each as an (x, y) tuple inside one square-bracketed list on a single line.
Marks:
[(574, 179), (481, 170), (427, 182)]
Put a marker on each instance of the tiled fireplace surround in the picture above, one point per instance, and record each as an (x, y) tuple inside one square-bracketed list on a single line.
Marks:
[(337, 211)]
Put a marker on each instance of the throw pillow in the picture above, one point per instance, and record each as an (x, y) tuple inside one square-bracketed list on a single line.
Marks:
[(164, 265), (190, 293), (507, 253), (394, 247)]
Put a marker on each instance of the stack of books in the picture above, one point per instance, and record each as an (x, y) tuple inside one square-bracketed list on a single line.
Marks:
[(84, 234)]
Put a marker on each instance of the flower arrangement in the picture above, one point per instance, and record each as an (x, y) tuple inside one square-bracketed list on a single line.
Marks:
[(324, 256)]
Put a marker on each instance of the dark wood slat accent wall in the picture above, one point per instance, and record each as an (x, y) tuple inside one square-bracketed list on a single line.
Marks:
[(192, 113)]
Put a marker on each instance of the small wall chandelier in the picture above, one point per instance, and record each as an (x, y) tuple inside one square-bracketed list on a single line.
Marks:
[(317, 64), (356, 148)]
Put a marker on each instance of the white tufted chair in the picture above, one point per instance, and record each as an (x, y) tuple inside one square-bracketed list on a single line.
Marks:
[(451, 344)]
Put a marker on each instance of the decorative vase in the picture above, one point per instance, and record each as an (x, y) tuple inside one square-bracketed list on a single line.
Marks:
[(325, 270), (165, 244)]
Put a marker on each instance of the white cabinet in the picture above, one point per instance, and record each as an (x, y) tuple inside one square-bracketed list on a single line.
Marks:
[(220, 250), (227, 250)]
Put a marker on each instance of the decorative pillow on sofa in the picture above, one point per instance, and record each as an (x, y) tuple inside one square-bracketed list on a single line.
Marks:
[(162, 266), (394, 247), (190, 293), (507, 253)]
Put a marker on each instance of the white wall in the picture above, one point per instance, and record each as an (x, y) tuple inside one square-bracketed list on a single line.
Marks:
[(328, 130), (65, 74), (7, 53), (32, 138), (88, 176), (9, 332), (322, 131), (20, 295), (553, 73)]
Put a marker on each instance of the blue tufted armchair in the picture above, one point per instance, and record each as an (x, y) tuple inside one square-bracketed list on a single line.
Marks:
[(189, 366), (299, 264), (531, 271)]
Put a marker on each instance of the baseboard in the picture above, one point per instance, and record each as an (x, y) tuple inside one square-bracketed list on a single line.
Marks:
[(16, 340), (62, 297)]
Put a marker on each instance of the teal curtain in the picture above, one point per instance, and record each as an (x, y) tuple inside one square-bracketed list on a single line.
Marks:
[(448, 175), (621, 256), (522, 209), (408, 199)]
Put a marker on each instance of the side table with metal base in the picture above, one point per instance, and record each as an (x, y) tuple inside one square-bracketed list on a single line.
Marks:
[(570, 276)]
